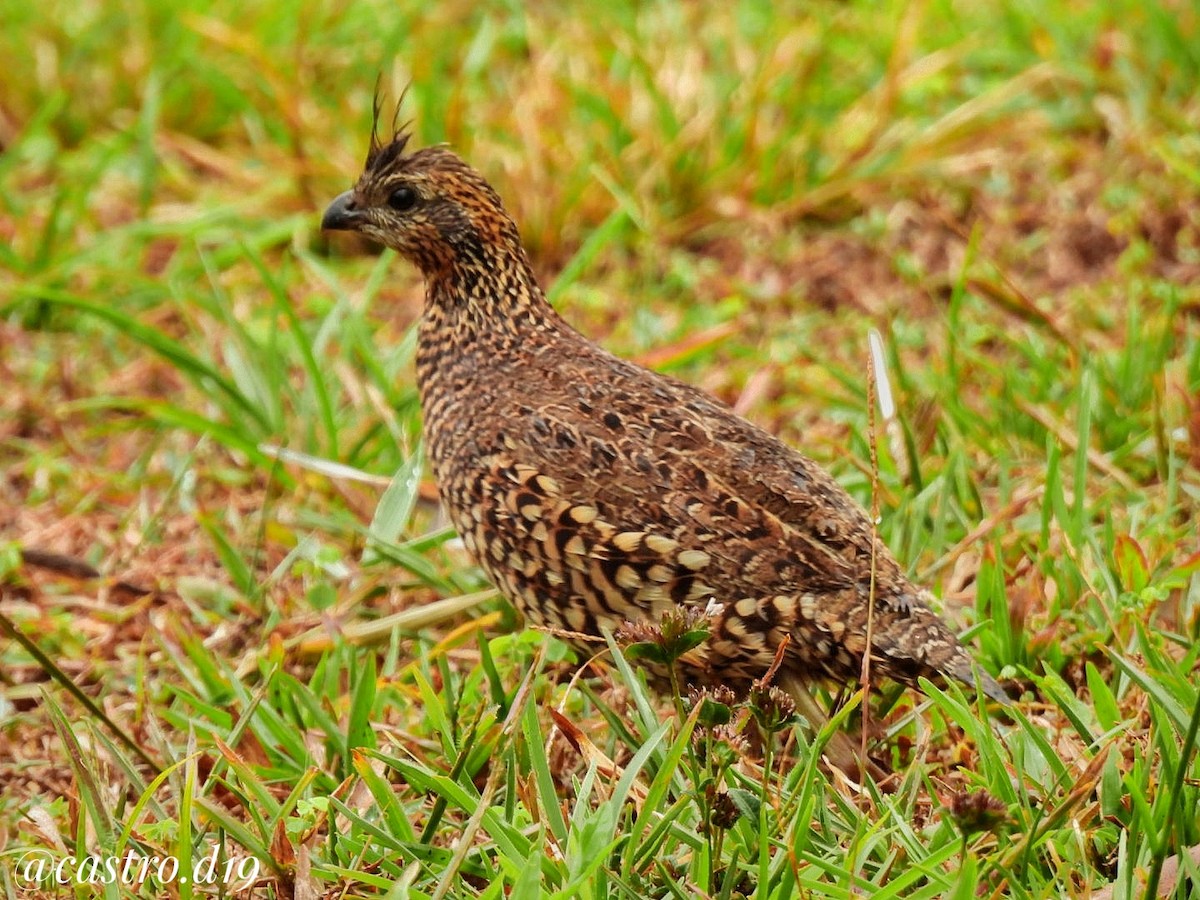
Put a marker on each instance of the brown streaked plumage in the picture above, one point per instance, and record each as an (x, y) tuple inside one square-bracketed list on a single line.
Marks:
[(593, 491)]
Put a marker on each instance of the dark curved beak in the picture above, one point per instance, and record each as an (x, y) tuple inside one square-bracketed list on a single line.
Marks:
[(342, 214)]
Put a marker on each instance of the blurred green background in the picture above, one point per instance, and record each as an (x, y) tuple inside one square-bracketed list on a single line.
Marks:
[(735, 193)]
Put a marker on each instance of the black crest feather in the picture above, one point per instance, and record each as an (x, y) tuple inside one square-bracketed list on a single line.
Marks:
[(382, 153)]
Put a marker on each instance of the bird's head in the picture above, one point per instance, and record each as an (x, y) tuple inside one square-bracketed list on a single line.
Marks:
[(428, 204)]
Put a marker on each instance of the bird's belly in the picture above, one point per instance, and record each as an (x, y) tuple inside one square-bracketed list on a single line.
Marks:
[(548, 555), (518, 545), (566, 576)]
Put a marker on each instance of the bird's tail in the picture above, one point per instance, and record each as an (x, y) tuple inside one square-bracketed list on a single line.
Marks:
[(963, 668)]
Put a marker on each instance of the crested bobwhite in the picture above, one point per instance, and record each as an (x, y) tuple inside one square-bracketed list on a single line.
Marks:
[(593, 491)]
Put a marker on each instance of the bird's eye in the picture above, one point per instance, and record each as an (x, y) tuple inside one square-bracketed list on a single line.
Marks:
[(402, 199)]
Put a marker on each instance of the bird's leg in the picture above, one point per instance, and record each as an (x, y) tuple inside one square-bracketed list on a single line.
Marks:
[(842, 751)]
